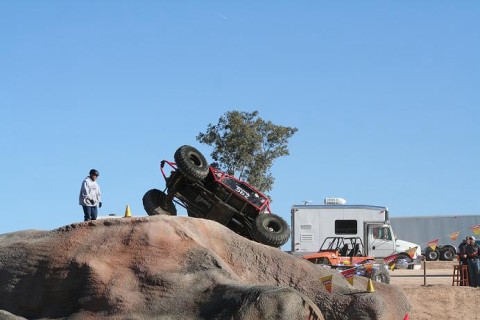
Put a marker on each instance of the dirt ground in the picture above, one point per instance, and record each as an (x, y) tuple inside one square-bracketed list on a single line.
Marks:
[(432, 295)]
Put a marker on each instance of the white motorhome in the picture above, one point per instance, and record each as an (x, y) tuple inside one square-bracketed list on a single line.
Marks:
[(312, 224)]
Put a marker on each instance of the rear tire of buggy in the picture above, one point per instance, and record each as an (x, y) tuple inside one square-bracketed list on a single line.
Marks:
[(191, 163), (271, 230), (155, 203)]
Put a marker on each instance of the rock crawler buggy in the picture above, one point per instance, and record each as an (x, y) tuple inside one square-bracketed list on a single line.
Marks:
[(206, 192), (346, 252)]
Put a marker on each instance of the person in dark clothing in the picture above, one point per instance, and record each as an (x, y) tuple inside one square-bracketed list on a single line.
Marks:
[(461, 252), (462, 257), (471, 250)]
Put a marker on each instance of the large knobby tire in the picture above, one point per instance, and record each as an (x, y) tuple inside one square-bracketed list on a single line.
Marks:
[(271, 230), (191, 163), (432, 255), (154, 203), (447, 254), (380, 274)]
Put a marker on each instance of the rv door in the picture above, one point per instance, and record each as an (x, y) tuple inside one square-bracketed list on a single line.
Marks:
[(380, 242)]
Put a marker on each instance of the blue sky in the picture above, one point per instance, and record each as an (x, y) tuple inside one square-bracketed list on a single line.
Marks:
[(385, 95)]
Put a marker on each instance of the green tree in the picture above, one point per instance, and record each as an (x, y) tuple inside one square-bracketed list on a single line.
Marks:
[(246, 146)]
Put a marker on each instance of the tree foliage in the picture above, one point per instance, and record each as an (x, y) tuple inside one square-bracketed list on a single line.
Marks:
[(246, 146)]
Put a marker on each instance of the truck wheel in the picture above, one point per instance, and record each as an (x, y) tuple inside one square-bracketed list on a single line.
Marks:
[(432, 255), (380, 275), (154, 203), (406, 257), (191, 163), (447, 254), (271, 230)]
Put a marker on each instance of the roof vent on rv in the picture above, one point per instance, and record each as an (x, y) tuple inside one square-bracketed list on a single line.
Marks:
[(331, 201)]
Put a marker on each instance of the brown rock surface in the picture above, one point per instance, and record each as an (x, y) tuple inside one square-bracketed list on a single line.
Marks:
[(432, 296), (172, 268)]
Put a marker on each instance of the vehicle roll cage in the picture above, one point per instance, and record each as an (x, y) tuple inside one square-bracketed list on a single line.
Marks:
[(240, 188)]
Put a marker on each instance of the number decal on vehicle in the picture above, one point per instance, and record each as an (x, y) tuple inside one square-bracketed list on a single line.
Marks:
[(241, 191)]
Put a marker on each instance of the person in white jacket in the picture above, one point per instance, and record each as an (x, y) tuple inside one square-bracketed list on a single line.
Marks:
[(90, 196)]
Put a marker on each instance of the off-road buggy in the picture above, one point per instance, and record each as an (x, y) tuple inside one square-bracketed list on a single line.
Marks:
[(347, 252), (206, 192)]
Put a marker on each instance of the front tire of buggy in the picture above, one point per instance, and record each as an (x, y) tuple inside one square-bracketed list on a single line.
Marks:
[(271, 230), (155, 203), (191, 163)]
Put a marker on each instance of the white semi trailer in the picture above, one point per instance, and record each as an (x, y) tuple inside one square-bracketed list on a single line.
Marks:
[(423, 229), (312, 224)]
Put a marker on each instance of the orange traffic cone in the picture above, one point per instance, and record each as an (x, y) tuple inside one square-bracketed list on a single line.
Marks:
[(370, 287), (128, 214)]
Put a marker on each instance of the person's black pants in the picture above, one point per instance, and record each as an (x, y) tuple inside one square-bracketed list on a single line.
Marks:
[(473, 272)]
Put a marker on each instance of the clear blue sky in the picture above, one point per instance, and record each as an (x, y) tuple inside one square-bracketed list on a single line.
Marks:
[(385, 95)]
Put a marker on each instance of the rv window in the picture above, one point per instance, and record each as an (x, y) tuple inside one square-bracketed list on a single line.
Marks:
[(345, 226)]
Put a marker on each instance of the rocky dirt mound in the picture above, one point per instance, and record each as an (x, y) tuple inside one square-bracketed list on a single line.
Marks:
[(172, 268)]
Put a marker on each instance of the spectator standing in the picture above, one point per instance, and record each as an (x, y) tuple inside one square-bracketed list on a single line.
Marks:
[(472, 259), (462, 256), (90, 196), (462, 252)]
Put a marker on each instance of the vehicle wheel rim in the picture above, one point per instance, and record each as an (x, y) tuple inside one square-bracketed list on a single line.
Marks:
[(272, 226), (195, 160)]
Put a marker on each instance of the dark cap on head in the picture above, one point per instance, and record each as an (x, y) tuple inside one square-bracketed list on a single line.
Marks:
[(94, 172)]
